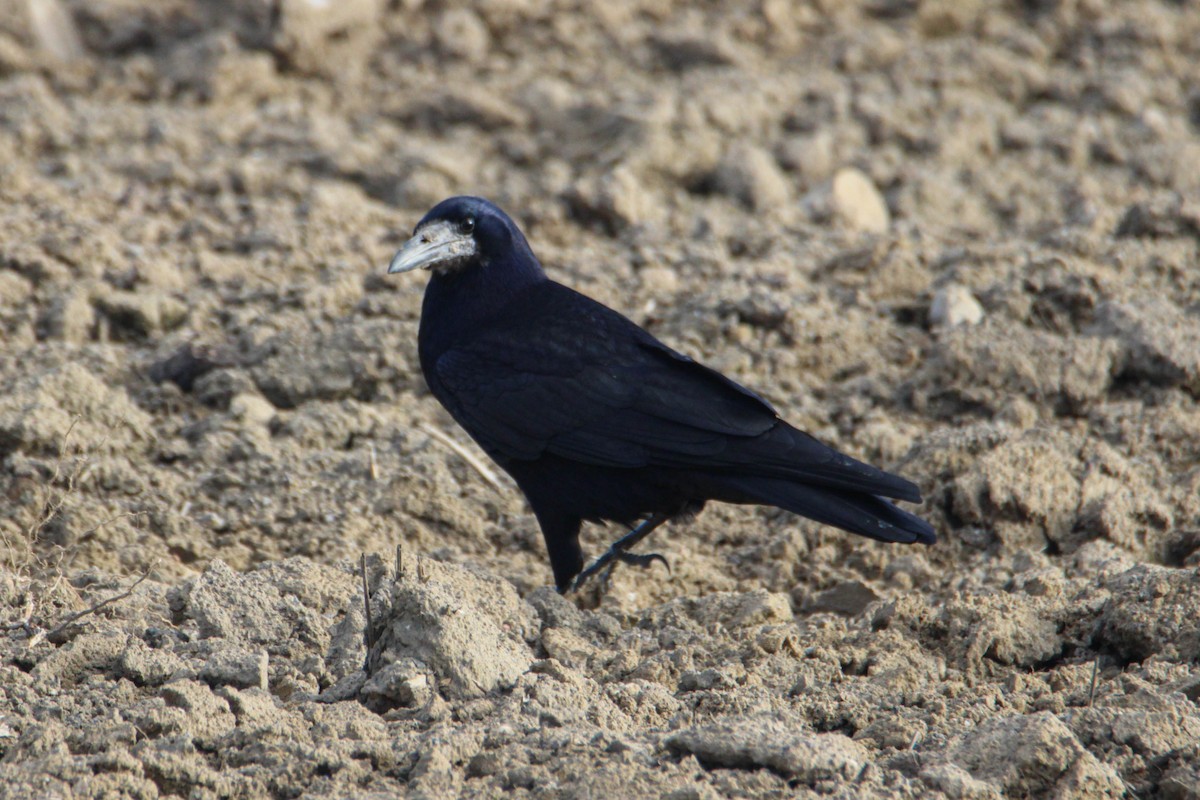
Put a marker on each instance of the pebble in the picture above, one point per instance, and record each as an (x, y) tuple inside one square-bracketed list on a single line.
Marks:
[(954, 305), (251, 408), (858, 203), (54, 30), (659, 281)]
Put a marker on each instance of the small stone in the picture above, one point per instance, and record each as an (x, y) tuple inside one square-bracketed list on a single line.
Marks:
[(659, 281), (252, 409), (54, 30), (954, 305), (858, 203)]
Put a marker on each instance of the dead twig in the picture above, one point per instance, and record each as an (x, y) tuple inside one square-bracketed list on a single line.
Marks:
[(368, 632), (52, 507), (116, 598), (466, 455)]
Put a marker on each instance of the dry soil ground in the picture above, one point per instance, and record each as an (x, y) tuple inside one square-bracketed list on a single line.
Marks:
[(958, 239)]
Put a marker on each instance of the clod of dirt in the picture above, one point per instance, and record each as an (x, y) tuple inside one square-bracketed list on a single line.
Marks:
[(312, 36), (748, 742), (37, 413), (1158, 341), (752, 176), (189, 363), (849, 598), (1152, 612), (231, 666), (348, 362), (277, 608), (1028, 756), (979, 368), (1025, 480), (616, 200), (1163, 215), (466, 628)]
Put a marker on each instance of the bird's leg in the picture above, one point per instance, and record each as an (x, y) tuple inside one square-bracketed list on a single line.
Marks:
[(619, 551)]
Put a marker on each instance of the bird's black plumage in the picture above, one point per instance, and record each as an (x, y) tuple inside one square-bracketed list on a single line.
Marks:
[(596, 419)]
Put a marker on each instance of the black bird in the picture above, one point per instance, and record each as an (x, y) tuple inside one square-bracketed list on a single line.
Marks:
[(597, 420)]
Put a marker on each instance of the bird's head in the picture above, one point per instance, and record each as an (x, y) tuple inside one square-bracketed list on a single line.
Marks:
[(459, 233)]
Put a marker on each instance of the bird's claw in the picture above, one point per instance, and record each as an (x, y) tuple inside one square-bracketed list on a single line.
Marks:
[(607, 561), (643, 560)]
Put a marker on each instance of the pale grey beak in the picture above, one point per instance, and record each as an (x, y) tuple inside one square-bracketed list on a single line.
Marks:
[(438, 245)]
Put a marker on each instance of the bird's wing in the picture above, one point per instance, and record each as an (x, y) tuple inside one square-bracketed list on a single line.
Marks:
[(583, 382), (578, 380)]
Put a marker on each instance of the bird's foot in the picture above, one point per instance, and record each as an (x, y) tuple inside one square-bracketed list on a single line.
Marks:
[(643, 560), (606, 562)]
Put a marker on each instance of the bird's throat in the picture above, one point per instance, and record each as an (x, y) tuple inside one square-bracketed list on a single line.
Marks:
[(461, 302)]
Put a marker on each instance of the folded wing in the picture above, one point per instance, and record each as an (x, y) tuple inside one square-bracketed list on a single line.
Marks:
[(591, 386)]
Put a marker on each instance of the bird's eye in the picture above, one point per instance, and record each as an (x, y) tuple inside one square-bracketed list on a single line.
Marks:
[(467, 226)]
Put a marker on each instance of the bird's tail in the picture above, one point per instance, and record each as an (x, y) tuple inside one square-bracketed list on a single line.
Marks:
[(858, 512)]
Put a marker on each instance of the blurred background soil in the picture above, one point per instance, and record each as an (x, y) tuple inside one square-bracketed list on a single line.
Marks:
[(957, 239)]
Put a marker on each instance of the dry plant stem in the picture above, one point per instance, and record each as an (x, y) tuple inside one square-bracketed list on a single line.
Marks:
[(60, 627), (368, 633), (50, 506), (484, 471), (53, 508)]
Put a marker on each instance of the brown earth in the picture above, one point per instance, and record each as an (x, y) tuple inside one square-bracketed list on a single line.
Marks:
[(958, 239)]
